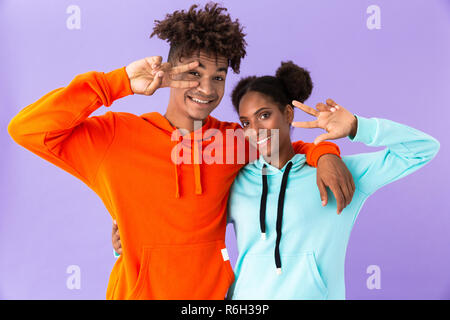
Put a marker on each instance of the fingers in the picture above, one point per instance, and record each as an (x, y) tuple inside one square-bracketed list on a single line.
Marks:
[(115, 228), (340, 197), (166, 66), (184, 67), (334, 106), (323, 107), (323, 192), (346, 190), (305, 108), (183, 84), (115, 231), (331, 102), (154, 62), (331, 106), (351, 187), (118, 248), (117, 245), (306, 124)]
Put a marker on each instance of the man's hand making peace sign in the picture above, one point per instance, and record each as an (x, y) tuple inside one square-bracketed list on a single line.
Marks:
[(149, 74)]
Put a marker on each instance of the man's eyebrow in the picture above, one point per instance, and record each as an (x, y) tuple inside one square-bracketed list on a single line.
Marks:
[(221, 69)]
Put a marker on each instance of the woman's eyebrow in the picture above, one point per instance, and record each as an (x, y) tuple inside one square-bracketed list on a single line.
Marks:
[(257, 111)]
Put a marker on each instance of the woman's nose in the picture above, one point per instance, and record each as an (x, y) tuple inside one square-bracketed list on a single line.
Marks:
[(257, 131)]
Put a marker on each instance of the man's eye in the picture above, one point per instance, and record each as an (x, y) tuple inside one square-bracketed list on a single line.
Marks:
[(219, 78), (194, 73)]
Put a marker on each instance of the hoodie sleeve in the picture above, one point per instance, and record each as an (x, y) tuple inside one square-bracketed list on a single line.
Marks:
[(57, 127), (314, 152), (407, 149)]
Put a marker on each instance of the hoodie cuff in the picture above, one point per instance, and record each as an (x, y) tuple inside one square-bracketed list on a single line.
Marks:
[(325, 147), (366, 131), (119, 84)]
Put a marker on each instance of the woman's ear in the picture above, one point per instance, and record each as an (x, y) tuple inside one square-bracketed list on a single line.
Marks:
[(289, 113)]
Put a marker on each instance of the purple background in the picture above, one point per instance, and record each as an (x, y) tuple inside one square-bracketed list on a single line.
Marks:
[(49, 220)]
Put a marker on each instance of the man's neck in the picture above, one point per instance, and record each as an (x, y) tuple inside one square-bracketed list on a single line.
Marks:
[(181, 122)]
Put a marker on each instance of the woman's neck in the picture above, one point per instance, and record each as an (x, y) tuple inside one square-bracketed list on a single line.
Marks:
[(285, 154)]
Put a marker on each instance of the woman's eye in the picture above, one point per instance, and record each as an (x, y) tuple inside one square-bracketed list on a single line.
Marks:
[(264, 115), (219, 78), (194, 73), (244, 124)]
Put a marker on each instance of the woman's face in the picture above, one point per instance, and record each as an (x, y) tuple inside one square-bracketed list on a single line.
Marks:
[(265, 125)]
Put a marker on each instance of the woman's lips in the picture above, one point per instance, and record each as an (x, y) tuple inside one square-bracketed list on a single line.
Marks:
[(263, 140), (260, 144)]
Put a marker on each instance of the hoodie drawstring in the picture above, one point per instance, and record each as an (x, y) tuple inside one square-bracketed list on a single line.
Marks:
[(279, 211), (177, 184), (197, 172), (262, 208), (197, 175)]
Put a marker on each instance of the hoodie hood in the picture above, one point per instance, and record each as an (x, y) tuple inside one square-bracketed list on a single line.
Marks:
[(194, 142), (255, 167)]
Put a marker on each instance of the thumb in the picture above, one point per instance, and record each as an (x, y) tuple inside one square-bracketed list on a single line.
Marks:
[(155, 84), (323, 137)]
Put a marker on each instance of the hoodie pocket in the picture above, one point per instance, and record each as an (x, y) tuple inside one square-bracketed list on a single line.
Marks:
[(300, 278), (179, 272)]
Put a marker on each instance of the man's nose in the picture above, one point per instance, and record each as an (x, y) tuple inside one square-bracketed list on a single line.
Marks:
[(206, 87)]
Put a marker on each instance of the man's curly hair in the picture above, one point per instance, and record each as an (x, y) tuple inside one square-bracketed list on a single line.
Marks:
[(208, 29)]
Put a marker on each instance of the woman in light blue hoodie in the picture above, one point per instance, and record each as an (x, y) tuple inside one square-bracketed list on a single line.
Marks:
[(289, 246)]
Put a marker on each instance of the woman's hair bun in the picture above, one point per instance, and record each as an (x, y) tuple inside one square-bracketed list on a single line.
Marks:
[(296, 80)]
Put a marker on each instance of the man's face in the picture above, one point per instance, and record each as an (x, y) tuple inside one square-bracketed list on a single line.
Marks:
[(198, 102)]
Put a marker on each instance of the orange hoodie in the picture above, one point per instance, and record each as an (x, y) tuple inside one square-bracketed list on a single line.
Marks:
[(172, 217)]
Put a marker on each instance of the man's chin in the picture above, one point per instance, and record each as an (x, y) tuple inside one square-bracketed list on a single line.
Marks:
[(199, 115)]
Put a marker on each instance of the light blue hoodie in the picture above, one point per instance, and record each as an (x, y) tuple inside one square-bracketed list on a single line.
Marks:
[(314, 239)]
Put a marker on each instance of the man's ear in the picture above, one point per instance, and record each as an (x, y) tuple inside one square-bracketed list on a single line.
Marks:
[(289, 113)]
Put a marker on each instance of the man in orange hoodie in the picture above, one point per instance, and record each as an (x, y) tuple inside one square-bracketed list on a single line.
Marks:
[(171, 214)]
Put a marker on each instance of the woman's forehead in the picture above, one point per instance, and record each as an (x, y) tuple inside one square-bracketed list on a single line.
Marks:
[(253, 100)]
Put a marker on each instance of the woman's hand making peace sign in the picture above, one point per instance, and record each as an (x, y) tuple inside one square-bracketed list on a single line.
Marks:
[(335, 119), (339, 123)]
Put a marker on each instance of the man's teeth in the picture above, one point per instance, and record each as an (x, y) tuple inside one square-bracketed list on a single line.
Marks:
[(199, 101), (263, 140)]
